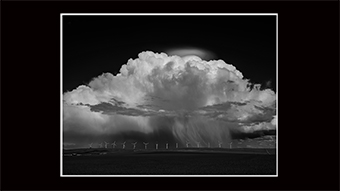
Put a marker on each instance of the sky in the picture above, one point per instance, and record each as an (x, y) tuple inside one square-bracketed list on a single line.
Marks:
[(167, 79)]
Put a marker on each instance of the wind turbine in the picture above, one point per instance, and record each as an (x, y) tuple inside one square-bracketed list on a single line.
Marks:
[(114, 144), (145, 145), (166, 145), (198, 144), (230, 144), (219, 144), (90, 145), (176, 145), (156, 146), (124, 144), (100, 145), (106, 144), (134, 145), (187, 144)]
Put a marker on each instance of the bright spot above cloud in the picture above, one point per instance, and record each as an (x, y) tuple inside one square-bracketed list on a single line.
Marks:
[(184, 52), (158, 98)]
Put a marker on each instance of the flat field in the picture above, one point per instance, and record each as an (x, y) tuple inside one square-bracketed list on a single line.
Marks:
[(170, 162)]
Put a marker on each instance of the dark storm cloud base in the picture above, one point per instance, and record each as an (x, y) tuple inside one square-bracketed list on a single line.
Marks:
[(256, 162)]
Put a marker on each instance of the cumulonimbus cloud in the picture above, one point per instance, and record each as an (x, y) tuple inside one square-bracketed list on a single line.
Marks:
[(185, 89)]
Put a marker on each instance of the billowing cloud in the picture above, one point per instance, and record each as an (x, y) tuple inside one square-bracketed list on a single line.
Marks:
[(187, 97)]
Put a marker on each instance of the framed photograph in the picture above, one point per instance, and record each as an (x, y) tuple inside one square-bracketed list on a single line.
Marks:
[(173, 95), (161, 95)]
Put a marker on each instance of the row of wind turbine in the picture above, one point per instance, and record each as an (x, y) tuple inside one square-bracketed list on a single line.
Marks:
[(113, 145)]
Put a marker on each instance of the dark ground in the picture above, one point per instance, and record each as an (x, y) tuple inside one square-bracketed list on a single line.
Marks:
[(184, 162)]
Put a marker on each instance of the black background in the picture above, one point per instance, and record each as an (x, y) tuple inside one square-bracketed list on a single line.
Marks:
[(308, 122)]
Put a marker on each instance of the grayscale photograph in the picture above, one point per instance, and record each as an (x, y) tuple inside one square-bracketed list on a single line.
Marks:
[(169, 95)]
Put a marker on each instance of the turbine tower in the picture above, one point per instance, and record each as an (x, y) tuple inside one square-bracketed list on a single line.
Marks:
[(114, 144), (134, 145), (166, 145), (123, 144), (106, 144), (198, 144), (145, 145), (176, 145), (156, 146), (230, 144), (219, 144), (187, 144)]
